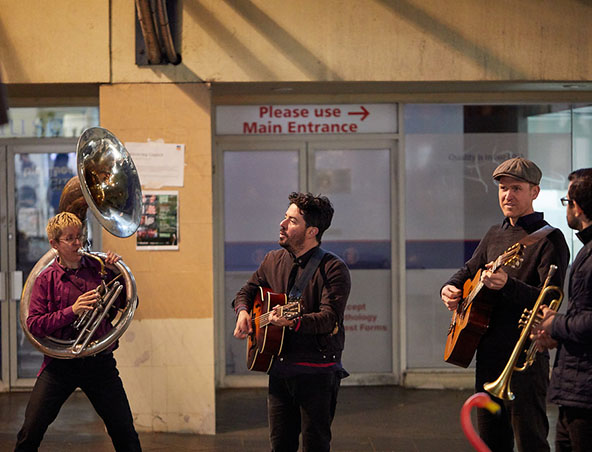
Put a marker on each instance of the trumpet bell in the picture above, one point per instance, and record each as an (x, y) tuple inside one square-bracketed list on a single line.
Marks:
[(500, 388), (109, 181)]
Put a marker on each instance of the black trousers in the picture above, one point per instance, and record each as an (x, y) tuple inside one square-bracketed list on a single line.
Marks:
[(99, 378), (524, 418), (302, 404), (574, 430)]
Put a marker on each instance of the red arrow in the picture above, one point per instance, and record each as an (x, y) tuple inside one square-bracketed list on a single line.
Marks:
[(364, 113)]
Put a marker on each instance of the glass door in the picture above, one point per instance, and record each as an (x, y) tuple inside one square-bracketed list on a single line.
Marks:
[(35, 175), (356, 177), (257, 181)]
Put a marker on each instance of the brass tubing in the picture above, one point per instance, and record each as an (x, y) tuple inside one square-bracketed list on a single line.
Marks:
[(500, 388)]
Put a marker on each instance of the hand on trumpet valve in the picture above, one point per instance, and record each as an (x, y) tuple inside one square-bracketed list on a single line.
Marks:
[(548, 317), (541, 334), (85, 302)]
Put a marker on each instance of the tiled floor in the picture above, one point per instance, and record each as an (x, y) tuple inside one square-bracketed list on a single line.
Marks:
[(382, 418)]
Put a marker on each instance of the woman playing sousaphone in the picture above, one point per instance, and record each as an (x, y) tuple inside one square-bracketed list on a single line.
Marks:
[(73, 307), (62, 292)]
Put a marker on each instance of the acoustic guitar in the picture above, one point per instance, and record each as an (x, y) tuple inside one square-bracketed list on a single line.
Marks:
[(266, 340), (471, 318)]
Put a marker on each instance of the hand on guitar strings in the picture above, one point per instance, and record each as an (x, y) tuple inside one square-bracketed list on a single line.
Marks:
[(277, 319), (451, 296), (494, 280), (243, 325)]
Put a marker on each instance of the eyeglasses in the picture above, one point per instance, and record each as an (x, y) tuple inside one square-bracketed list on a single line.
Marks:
[(566, 202), (72, 238)]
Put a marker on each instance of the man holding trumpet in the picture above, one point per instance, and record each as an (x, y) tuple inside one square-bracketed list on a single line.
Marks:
[(571, 333), (511, 290)]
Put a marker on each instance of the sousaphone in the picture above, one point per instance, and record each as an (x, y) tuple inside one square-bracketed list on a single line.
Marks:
[(108, 184)]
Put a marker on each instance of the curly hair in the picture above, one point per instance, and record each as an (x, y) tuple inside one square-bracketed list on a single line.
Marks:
[(580, 189), (316, 210), (57, 224)]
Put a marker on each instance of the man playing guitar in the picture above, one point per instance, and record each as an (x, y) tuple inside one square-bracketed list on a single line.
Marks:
[(510, 291), (304, 379)]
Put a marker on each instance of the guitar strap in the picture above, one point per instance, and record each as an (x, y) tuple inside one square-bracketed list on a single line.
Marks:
[(537, 235), (311, 266)]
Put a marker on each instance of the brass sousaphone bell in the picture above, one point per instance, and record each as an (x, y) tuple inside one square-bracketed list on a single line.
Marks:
[(108, 184)]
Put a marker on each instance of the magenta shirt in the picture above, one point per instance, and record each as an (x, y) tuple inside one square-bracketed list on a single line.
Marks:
[(56, 289)]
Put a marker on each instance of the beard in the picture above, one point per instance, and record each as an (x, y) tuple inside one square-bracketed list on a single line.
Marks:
[(292, 244), (574, 223)]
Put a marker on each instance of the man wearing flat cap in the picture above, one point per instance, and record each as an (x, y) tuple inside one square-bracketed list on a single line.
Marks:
[(510, 291)]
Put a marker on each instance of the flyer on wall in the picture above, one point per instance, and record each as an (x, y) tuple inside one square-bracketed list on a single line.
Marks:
[(159, 224)]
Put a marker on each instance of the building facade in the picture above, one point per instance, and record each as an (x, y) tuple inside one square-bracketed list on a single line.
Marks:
[(398, 110)]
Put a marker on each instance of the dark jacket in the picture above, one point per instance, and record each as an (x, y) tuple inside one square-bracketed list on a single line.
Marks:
[(521, 290), (571, 380), (320, 336)]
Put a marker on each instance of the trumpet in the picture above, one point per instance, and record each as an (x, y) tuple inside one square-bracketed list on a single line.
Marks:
[(500, 388)]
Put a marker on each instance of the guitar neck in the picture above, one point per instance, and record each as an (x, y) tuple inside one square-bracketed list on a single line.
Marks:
[(264, 318), (497, 264), (473, 293)]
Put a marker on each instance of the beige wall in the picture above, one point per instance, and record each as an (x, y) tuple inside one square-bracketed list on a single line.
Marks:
[(182, 286), (167, 356), (304, 40), (62, 41)]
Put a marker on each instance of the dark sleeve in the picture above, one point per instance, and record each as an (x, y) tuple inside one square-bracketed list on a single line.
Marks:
[(554, 251), (573, 327), (334, 295), (576, 325), (246, 295), (42, 319)]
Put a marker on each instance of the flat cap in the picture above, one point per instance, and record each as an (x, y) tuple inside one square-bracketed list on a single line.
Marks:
[(519, 168)]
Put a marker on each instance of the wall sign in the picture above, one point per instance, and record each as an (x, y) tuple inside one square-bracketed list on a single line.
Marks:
[(159, 164), (306, 119)]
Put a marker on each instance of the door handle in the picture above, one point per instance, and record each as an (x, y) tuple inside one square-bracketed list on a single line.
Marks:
[(16, 284)]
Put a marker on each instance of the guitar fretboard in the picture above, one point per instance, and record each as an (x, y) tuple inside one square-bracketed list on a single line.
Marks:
[(466, 304), (282, 311)]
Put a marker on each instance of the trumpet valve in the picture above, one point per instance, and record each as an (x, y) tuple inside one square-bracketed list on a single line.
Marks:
[(524, 318)]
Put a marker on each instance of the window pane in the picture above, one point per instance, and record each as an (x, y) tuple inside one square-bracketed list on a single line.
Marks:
[(49, 122)]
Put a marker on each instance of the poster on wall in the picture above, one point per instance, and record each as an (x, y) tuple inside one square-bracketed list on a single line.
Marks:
[(159, 164), (159, 224)]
